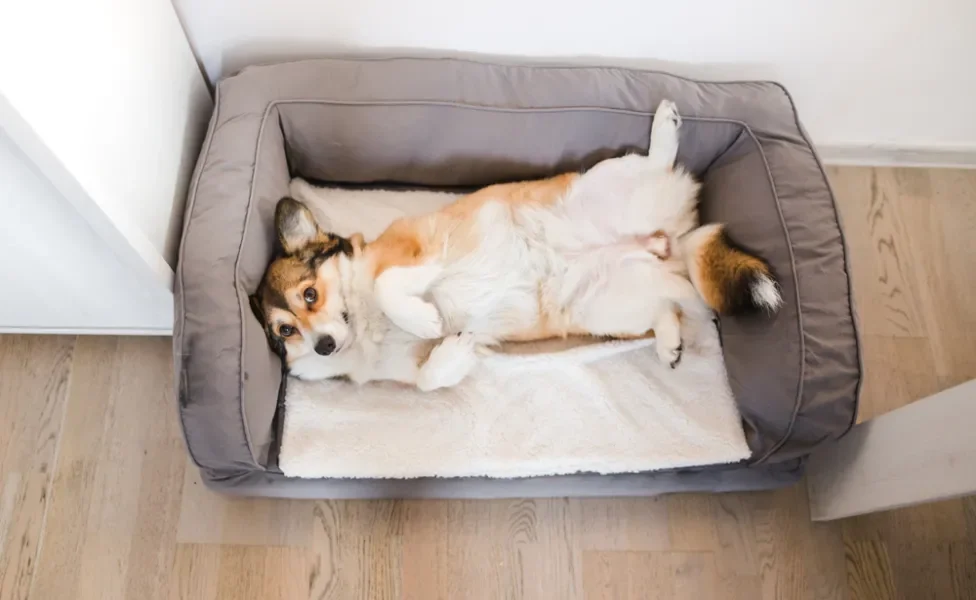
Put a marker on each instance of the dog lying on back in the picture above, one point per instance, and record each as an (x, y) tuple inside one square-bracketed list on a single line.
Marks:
[(612, 252)]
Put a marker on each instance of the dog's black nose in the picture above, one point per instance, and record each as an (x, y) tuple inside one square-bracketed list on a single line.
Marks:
[(326, 345)]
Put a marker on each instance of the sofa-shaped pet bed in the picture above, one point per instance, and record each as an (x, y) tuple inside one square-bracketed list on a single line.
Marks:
[(458, 124)]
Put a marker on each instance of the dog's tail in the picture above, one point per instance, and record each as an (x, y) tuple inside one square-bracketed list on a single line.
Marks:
[(729, 279)]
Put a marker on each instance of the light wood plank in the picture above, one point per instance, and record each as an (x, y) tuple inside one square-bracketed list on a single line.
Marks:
[(627, 523), (692, 522), (922, 570), (355, 549), (796, 558), (917, 542), (962, 561), (467, 549), (201, 511), (33, 382), (897, 372), (736, 531), (969, 510), (930, 523), (947, 255), (96, 369), (108, 536), (693, 575), (551, 561), (877, 233), (721, 524), (206, 517), (195, 571), (519, 549), (261, 573), (157, 505), (627, 576), (869, 575), (739, 587), (117, 481), (647, 575)]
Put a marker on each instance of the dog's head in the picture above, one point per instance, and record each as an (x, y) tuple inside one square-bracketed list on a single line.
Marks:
[(300, 299)]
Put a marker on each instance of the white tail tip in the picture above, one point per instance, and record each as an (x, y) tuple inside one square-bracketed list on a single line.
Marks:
[(765, 294)]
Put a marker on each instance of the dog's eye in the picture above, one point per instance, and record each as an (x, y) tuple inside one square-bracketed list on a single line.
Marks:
[(286, 331), (310, 295)]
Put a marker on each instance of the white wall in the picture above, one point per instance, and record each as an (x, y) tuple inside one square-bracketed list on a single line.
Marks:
[(106, 98), (892, 74), (57, 274)]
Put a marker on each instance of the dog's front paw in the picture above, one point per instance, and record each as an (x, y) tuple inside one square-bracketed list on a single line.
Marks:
[(422, 320), (449, 363), (670, 355)]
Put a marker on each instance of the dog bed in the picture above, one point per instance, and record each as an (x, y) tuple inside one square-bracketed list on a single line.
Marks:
[(458, 124)]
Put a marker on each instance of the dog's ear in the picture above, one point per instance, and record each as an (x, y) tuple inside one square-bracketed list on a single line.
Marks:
[(257, 308), (295, 225)]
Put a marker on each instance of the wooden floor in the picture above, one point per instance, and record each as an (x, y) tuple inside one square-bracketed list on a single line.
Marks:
[(97, 500)]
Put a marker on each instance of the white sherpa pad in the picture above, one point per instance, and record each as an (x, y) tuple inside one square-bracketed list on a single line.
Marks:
[(562, 408)]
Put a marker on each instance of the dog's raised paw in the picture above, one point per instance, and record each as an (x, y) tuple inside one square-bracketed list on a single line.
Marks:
[(449, 363), (667, 111)]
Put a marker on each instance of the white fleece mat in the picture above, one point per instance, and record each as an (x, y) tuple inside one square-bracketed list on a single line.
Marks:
[(604, 408)]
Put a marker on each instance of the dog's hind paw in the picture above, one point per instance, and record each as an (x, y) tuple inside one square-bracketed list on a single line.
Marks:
[(667, 111), (670, 355), (663, 148)]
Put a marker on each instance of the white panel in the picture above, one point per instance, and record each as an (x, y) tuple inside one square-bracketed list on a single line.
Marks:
[(111, 90), (922, 452), (57, 274), (864, 73)]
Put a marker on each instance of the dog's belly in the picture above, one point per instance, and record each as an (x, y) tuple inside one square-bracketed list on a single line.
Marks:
[(495, 299), (523, 283), (494, 289)]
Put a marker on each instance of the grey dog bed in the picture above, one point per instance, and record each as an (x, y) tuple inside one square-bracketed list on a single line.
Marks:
[(461, 123)]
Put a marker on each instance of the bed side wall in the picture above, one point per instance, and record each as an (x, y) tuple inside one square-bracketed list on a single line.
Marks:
[(219, 350)]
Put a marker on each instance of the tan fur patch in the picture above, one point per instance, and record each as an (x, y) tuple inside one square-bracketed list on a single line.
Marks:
[(288, 272), (407, 242), (543, 192), (400, 245), (719, 266)]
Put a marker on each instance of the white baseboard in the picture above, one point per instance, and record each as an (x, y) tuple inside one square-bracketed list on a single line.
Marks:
[(891, 156), (6, 329)]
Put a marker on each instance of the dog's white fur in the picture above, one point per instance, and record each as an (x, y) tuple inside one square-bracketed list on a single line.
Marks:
[(591, 254)]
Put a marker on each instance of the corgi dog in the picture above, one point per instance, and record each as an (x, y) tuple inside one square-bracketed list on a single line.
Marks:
[(612, 252)]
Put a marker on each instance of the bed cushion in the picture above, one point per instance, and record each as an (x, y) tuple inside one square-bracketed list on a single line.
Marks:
[(450, 123)]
